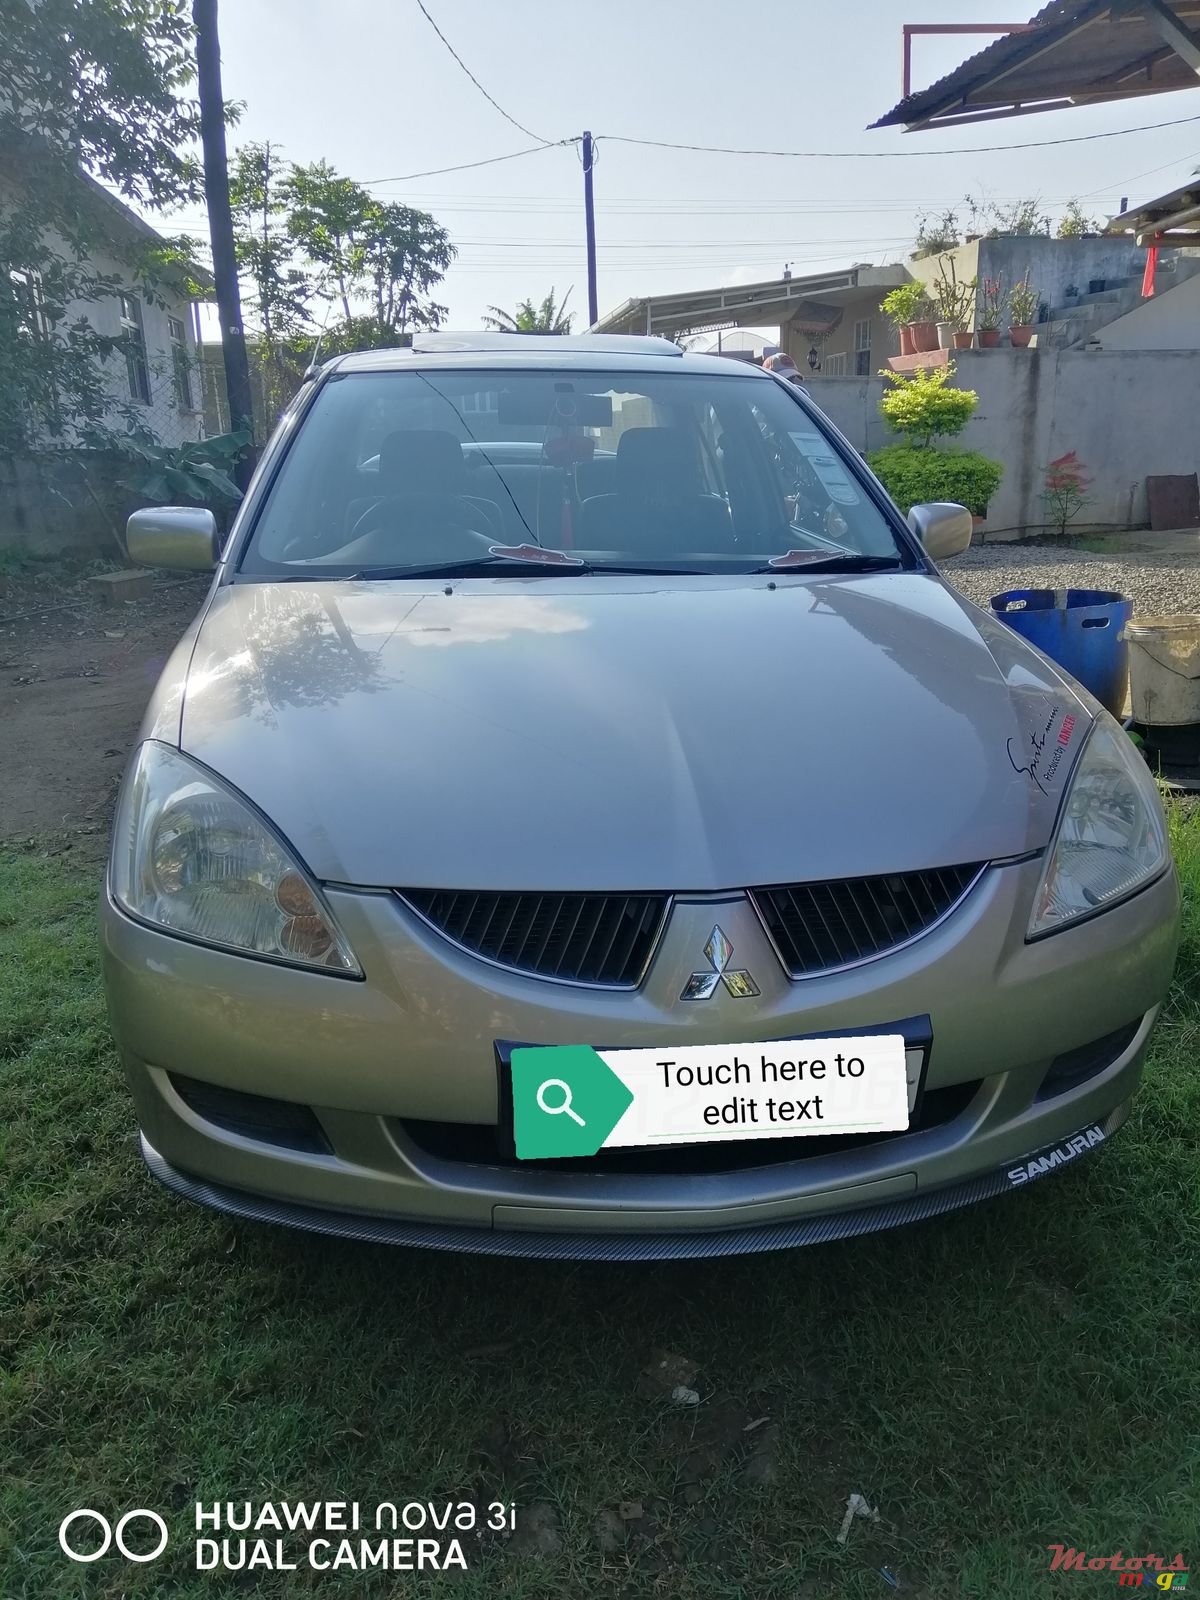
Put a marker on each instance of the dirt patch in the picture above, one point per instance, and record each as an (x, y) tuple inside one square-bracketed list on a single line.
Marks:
[(75, 675)]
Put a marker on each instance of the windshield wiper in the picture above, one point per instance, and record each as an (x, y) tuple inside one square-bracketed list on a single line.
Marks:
[(796, 561), (485, 566), (476, 567)]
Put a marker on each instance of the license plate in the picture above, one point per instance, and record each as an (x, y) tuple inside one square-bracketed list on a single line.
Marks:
[(573, 1100)]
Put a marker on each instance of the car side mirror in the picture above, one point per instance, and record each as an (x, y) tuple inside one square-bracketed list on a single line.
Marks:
[(943, 528), (182, 537)]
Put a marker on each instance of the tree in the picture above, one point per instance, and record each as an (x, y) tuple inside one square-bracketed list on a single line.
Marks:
[(923, 407), (387, 256), (1075, 223), (99, 85), (528, 318), (279, 289)]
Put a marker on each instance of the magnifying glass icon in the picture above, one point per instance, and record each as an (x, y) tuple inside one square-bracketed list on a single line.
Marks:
[(554, 1111)]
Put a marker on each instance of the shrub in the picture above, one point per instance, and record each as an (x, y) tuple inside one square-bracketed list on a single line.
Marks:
[(909, 303), (1065, 490), (912, 476), (923, 407)]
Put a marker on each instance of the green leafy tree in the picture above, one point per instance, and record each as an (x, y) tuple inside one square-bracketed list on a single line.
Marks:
[(1075, 223), (327, 219), (385, 257), (549, 317), (923, 407), (101, 85), (279, 288)]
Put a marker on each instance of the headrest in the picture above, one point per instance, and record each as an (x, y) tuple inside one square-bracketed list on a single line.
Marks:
[(421, 461), (657, 461)]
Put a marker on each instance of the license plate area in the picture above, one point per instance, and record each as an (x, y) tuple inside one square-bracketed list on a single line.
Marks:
[(915, 1032)]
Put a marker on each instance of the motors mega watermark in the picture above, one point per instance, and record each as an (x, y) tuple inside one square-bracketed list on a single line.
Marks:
[(1133, 1572), (279, 1536)]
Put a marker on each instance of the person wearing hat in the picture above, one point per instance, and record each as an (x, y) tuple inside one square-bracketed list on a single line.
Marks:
[(783, 364)]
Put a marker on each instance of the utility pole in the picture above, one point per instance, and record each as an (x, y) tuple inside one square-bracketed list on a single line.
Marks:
[(589, 216), (220, 225)]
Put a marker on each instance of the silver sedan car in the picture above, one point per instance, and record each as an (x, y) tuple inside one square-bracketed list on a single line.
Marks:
[(581, 822)]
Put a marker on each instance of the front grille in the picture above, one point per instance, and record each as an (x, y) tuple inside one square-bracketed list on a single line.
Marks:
[(820, 926), (602, 939)]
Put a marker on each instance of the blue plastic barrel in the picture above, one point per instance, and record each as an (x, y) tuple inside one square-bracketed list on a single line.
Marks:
[(1082, 629)]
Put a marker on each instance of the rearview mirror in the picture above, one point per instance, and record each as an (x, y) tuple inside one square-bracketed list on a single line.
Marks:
[(181, 537), (943, 528)]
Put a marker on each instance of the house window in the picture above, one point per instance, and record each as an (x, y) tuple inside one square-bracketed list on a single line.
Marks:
[(181, 364), (862, 349), (135, 348), (834, 366), (31, 310)]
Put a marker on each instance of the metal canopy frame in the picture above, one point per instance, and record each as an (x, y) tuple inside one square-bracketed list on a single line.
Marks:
[(1073, 52)]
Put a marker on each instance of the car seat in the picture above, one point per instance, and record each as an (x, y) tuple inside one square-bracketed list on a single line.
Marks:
[(658, 507)]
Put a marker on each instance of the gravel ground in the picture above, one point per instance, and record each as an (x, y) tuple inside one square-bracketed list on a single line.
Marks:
[(1157, 584)]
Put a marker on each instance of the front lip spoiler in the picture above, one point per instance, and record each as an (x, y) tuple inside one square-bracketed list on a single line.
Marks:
[(634, 1246)]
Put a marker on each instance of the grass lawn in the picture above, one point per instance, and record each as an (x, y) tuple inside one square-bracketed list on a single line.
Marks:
[(1021, 1374)]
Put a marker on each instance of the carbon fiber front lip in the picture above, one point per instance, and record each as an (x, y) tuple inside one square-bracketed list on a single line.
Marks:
[(623, 1246)]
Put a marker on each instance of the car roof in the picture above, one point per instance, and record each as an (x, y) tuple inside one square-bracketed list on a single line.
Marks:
[(504, 352)]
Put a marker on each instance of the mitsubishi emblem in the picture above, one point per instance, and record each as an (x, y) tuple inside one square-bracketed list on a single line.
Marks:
[(703, 985)]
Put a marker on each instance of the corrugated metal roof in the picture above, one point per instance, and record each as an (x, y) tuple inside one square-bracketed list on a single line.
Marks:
[(1075, 52)]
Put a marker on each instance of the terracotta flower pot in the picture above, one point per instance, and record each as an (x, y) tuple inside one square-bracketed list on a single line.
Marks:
[(989, 338), (963, 338), (1020, 334), (924, 336), (906, 340)]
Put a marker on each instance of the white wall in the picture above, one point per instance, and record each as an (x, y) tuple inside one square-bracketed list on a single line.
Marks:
[(1128, 414), (1169, 320), (163, 414)]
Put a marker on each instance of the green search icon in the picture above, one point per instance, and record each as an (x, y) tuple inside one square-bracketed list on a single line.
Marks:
[(566, 1100), (554, 1111)]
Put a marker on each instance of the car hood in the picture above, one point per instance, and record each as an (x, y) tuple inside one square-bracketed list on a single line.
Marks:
[(607, 733)]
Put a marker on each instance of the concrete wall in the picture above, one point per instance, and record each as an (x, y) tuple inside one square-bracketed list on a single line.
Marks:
[(1053, 265), (1128, 414), (1169, 320)]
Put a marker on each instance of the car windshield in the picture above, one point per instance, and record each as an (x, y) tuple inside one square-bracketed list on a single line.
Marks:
[(398, 472)]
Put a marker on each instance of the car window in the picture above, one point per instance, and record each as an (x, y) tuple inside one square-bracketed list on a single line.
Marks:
[(705, 471)]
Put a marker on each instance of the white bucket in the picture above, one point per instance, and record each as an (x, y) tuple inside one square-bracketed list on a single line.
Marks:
[(1164, 670)]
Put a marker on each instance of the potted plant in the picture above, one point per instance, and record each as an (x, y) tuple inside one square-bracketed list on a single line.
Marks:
[(1022, 309), (991, 311), (909, 309), (952, 302)]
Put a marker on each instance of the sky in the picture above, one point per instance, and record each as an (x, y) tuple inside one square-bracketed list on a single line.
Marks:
[(368, 85)]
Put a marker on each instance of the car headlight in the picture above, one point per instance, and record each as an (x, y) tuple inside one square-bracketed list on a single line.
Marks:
[(1111, 837), (192, 856)]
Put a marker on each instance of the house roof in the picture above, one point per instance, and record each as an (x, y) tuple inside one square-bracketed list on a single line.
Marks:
[(1075, 52), (812, 303), (1173, 218), (116, 211)]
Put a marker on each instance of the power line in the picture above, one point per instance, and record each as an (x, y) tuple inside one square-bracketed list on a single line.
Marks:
[(893, 155), (520, 126), (466, 166)]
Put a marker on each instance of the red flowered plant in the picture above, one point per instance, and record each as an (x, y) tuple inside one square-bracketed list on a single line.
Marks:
[(1065, 490)]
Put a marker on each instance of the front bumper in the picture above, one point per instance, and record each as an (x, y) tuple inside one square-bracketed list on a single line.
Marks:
[(822, 1229), (413, 1045)]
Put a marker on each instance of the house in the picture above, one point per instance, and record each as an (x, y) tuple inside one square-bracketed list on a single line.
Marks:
[(155, 375), (827, 321)]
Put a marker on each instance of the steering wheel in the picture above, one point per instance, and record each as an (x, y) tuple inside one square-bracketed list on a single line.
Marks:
[(451, 531)]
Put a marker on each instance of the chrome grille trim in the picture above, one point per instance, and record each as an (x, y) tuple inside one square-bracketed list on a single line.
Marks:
[(540, 935), (833, 926)]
